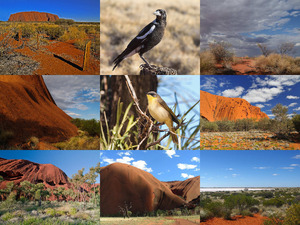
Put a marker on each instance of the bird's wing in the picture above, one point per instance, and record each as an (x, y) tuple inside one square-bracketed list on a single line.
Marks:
[(142, 36), (164, 104)]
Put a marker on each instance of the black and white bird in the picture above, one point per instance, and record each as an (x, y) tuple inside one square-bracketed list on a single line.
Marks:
[(149, 37)]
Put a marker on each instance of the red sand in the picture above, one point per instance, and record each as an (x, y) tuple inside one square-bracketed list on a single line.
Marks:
[(237, 220)]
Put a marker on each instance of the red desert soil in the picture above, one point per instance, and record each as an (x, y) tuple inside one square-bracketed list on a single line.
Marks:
[(188, 189), (20, 170), (124, 183), (214, 107), (33, 17), (51, 65), (237, 220), (28, 109), (244, 66)]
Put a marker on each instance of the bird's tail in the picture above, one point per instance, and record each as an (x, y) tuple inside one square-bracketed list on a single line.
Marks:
[(174, 136), (117, 61)]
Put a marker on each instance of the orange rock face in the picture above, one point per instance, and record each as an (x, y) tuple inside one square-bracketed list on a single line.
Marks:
[(188, 189), (33, 17), (214, 107), (21, 170), (27, 109), (121, 183)]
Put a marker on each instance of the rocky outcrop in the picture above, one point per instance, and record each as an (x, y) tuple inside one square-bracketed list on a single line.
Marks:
[(124, 184), (188, 189), (33, 17), (18, 170), (27, 109), (214, 107)]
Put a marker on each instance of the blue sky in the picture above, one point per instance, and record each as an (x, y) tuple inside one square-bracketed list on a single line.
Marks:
[(69, 161), (250, 168), (262, 91), (244, 23), (186, 88), (165, 165), (78, 96), (78, 10)]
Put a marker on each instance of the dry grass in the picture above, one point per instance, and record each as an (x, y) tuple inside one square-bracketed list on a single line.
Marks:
[(207, 63), (278, 64), (179, 49)]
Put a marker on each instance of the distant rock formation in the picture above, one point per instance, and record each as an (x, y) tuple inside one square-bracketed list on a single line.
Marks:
[(121, 183), (21, 170), (214, 107), (27, 109), (33, 17), (188, 189)]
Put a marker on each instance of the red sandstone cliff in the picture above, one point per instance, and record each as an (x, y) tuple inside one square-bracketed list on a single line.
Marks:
[(33, 16), (124, 183), (188, 189), (27, 109), (20, 170), (214, 107)]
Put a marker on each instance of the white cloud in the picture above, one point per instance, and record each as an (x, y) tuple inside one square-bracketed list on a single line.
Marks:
[(183, 166), (125, 159), (296, 157), (210, 84), (234, 175), (297, 109), (275, 174), (294, 165), (233, 93), (185, 175), (141, 164), (260, 105), (72, 114), (108, 160), (230, 169), (292, 97), (195, 159), (171, 153), (293, 104), (262, 94), (287, 168), (261, 168)]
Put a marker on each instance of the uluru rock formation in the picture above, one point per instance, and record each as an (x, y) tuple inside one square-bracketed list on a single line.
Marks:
[(33, 17), (214, 107), (27, 109), (18, 170), (121, 183), (188, 189)]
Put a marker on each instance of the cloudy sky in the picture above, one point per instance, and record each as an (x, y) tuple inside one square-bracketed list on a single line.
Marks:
[(78, 96), (262, 91), (69, 161), (250, 168), (165, 165), (244, 23)]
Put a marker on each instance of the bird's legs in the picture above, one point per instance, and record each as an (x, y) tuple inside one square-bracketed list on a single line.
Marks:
[(145, 61)]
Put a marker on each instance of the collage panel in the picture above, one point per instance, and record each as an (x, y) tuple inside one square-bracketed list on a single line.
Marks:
[(49, 112), (250, 37), (253, 112), (132, 44), (49, 187), (137, 188), (250, 187), (130, 105), (60, 37)]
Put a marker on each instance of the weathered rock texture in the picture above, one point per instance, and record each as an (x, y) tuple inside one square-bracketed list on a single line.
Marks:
[(122, 183), (18, 170), (33, 17), (27, 109), (214, 107), (188, 189)]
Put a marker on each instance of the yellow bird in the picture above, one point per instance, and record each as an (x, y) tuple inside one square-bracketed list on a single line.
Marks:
[(161, 112)]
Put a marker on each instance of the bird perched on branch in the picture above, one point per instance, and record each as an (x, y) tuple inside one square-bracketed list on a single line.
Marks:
[(160, 111), (149, 37)]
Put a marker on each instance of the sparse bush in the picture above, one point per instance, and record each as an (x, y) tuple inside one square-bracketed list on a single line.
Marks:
[(292, 215), (205, 215), (273, 202), (51, 212), (27, 30), (206, 126), (82, 215), (282, 125), (273, 220), (246, 213), (296, 122), (225, 125), (7, 216), (221, 52), (73, 211), (216, 209), (73, 33), (254, 209), (54, 32), (264, 49), (240, 202), (91, 126), (64, 22), (5, 137), (207, 63)]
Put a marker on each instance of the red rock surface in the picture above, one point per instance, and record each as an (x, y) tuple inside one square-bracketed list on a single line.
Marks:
[(18, 170), (124, 183), (214, 107), (188, 189), (33, 17), (28, 109)]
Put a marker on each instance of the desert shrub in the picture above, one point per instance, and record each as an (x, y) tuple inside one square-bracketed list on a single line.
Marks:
[(91, 126), (73, 33), (206, 126), (246, 213), (281, 125), (264, 49), (273, 220), (50, 212), (207, 63), (254, 209), (64, 22), (5, 137), (221, 51), (277, 64), (73, 211), (296, 122), (22, 199), (263, 124), (240, 202), (82, 215), (54, 32), (27, 31), (225, 125), (7, 216), (244, 124), (205, 215), (216, 209), (205, 201), (292, 215), (273, 202)]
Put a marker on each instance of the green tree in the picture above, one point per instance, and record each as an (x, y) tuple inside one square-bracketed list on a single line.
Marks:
[(240, 202), (296, 122), (282, 125)]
